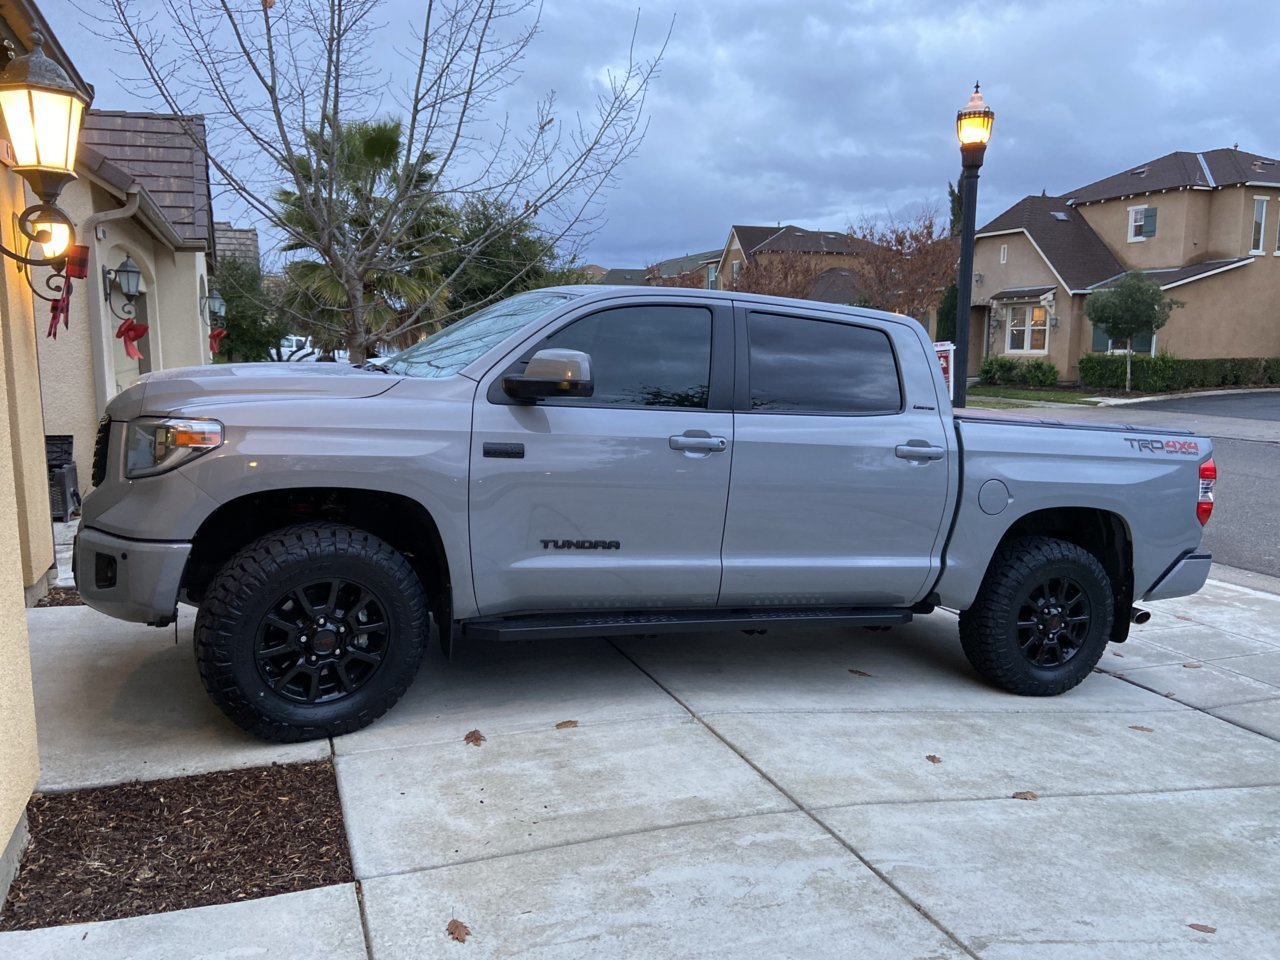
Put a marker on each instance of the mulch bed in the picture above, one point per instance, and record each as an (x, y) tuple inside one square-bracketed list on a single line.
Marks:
[(150, 847), (61, 597)]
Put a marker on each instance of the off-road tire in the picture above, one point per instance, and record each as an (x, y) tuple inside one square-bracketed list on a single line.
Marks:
[(989, 629), (242, 594)]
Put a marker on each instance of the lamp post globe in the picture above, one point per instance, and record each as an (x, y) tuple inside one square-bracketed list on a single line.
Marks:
[(973, 129)]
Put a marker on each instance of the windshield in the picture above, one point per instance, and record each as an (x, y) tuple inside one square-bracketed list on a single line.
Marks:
[(445, 353)]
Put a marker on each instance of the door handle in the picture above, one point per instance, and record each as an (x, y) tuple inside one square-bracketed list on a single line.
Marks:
[(918, 450), (707, 444)]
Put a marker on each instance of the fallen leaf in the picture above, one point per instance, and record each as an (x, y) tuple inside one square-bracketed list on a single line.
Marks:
[(933, 758), (1141, 729), (1183, 616), (1202, 928), (458, 930), (1193, 666), (475, 738), (566, 724), (859, 673), (1026, 795), (1116, 653)]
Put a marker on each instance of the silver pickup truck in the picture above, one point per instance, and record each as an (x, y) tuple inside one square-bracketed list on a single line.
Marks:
[(618, 461)]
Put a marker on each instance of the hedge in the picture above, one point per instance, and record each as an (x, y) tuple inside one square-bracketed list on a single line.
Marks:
[(1009, 371), (1165, 372)]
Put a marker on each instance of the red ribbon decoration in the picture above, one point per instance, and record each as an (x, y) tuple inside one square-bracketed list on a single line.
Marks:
[(61, 310), (131, 333), (215, 338)]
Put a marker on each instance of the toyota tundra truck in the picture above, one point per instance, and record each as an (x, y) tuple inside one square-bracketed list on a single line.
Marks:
[(604, 461)]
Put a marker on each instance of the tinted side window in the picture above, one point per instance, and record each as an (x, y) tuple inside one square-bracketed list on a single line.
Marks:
[(656, 356), (815, 366)]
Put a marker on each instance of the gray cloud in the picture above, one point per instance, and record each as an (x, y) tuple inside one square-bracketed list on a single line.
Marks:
[(824, 112)]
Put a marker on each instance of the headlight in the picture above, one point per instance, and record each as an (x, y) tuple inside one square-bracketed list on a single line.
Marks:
[(157, 446)]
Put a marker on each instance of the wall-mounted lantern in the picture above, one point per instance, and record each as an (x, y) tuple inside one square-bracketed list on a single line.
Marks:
[(127, 278), (213, 310), (42, 110)]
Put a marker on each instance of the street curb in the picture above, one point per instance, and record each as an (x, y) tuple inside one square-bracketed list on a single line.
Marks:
[(1126, 401), (1260, 583)]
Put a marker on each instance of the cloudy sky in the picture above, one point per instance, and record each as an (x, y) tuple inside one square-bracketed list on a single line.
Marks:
[(825, 112)]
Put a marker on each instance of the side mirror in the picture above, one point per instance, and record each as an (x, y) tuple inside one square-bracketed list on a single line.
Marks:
[(552, 373)]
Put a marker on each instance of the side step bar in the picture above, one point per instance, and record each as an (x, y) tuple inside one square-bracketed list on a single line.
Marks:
[(599, 624)]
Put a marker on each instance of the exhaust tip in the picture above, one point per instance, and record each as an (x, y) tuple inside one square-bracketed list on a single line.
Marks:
[(1139, 616)]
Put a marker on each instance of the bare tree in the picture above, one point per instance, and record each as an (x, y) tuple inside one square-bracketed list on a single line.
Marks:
[(910, 263), (282, 84), (689, 279), (781, 274)]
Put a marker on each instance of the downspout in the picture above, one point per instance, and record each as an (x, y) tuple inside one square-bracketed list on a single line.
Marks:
[(99, 337)]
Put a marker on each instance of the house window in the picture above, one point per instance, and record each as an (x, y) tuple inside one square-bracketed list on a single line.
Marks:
[(712, 271), (1143, 343), (735, 270), (1004, 253), (1028, 329), (1259, 223), (1142, 223)]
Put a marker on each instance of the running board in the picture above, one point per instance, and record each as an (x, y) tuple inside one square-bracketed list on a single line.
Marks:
[(596, 624)]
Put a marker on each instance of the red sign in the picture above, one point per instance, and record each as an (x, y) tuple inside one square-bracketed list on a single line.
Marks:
[(946, 353)]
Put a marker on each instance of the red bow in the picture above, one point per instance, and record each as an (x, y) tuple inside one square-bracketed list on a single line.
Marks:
[(215, 338), (131, 333), (61, 310)]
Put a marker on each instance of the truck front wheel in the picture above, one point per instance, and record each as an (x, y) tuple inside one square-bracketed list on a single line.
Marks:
[(311, 631), (1041, 619)]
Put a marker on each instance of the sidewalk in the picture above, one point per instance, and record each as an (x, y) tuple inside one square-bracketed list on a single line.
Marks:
[(734, 796)]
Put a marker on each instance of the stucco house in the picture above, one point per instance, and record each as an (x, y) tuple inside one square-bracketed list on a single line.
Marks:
[(25, 528), (1206, 226), (835, 250), (143, 194)]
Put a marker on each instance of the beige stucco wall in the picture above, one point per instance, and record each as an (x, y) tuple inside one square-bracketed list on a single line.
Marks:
[(1231, 314), (21, 521), (75, 389)]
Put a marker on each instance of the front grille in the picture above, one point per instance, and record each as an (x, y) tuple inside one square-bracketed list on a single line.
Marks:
[(100, 445)]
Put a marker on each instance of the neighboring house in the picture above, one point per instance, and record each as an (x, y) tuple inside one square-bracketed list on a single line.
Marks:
[(594, 272), (25, 528), (622, 276), (691, 270), (142, 193), (236, 243), (835, 251), (1206, 226)]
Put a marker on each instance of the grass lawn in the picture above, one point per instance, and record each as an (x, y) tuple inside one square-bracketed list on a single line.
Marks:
[(1032, 393)]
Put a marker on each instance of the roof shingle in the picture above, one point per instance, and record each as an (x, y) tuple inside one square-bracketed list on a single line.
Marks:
[(1070, 245), (1180, 169), (157, 151)]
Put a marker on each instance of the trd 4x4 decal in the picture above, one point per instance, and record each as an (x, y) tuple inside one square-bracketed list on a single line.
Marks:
[(1188, 447)]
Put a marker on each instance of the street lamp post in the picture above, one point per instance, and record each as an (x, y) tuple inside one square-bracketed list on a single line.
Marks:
[(973, 128)]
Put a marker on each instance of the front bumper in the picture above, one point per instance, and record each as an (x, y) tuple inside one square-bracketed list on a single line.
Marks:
[(1184, 578), (134, 580)]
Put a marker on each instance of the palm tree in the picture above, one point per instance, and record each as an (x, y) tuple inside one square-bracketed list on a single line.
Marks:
[(356, 171)]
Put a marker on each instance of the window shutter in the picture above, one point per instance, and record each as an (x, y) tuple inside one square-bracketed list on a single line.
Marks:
[(1149, 222), (1142, 342), (1100, 340)]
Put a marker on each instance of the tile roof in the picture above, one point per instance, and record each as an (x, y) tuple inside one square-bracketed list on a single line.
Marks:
[(158, 151), (1073, 250), (236, 243), (1173, 276), (789, 238), (836, 285), (678, 265), (1212, 168), (624, 276)]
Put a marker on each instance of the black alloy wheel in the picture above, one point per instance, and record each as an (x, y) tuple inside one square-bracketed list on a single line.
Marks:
[(1053, 621), (322, 641)]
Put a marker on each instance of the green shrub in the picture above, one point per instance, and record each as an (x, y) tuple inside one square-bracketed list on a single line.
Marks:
[(1164, 372), (1038, 373), (998, 370)]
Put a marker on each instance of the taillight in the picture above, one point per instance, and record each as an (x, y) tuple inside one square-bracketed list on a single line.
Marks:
[(1208, 477)]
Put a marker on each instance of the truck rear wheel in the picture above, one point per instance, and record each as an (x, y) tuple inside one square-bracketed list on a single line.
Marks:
[(311, 631), (1042, 617)]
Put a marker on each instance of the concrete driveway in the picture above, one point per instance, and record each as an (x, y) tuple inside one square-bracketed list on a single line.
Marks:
[(807, 795)]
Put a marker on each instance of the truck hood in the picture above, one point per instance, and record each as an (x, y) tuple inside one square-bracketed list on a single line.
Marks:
[(186, 387)]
